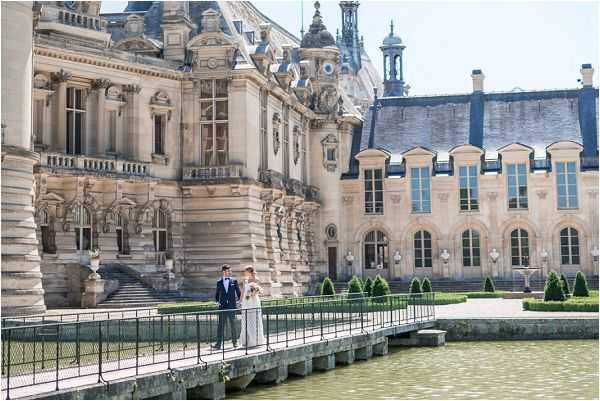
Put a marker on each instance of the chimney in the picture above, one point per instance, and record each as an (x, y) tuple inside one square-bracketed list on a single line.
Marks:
[(478, 78), (587, 74)]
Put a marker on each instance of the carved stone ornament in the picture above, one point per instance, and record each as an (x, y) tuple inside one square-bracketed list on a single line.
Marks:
[(396, 198), (61, 76), (276, 134), (100, 84), (327, 101), (541, 193), (443, 196), (330, 152)]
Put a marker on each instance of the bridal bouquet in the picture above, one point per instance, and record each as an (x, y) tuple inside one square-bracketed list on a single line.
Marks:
[(254, 290)]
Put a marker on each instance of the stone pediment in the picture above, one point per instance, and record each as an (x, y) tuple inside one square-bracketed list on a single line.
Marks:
[(418, 151), (466, 149), (52, 197), (139, 44), (515, 147), (565, 145)]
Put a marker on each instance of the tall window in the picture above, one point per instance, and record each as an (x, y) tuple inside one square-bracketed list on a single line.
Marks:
[(38, 121), (516, 176), (423, 254), (112, 131), (373, 191), (420, 191), (376, 250), (569, 246), (214, 115), (566, 185), (264, 131), (75, 120), (387, 68), (83, 228), (48, 245), (286, 141), (467, 181), (519, 247), (159, 229), (471, 248), (159, 134), (122, 236)]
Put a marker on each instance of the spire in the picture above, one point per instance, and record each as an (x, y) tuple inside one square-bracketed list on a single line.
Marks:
[(317, 35), (349, 42), (392, 27)]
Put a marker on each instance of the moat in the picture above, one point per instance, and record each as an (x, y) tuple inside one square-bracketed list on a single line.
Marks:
[(460, 370)]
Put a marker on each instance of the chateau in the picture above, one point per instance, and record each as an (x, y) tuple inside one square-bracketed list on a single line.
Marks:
[(174, 137)]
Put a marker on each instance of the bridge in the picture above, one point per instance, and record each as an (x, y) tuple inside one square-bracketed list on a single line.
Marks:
[(150, 355)]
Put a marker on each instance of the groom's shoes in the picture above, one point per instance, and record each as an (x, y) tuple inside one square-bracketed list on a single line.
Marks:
[(215, 347)]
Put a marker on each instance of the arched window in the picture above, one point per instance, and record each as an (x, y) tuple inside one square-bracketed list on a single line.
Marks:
[(159, 229), (83, 229), (122, 235), (398, 68), (471, 248), (569, 246), (376, 250), (519, 247), (387, 68), (423, 253)]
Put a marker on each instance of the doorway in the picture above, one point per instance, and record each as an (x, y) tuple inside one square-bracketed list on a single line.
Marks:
[(332, 262)]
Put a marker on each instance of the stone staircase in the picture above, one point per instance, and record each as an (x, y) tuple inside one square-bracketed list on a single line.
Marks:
[(132, 292)]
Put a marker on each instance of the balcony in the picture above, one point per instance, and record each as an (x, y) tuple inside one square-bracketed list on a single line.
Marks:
[(212, 172), (95, 164)]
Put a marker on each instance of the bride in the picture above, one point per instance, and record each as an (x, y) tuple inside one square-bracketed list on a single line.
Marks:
[(251, 333)]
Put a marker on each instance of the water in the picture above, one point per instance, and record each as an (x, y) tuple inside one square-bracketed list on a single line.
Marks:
[(460, 370)]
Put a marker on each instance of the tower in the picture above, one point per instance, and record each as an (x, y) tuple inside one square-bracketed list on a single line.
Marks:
[(393, 77), (350, 44)]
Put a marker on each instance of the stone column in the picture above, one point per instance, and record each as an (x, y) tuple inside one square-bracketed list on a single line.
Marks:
[(59, 135), (133, 121), (100, 86), (22, 291)]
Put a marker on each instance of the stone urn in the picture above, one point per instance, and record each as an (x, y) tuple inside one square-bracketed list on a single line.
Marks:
[(94, 264)]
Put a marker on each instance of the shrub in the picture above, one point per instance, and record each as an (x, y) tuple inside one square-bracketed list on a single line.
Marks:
[(415, 286), (327, 288), (380, 288), (564, 284), (445, 298), (580, 287), (368, 288), (484, 294), (355, 287), (426, 285), (488, 285), (554, 306), (553, 290)]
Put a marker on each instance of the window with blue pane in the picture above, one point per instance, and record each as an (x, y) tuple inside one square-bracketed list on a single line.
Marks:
[(373, 191), (420, 190), (516, 181), (422, 248), (471, 248), (467, 182), (566, 185), (569, 246)]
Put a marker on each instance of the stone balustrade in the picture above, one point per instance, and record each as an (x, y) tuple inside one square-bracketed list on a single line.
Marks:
[(212, 172), (98, 164), (81, 20)]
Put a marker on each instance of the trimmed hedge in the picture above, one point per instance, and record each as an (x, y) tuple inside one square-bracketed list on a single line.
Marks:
[(560, 306), (368, 287), (327, 287), (380, 288), (355, 286), (447, 298), (553, 290), (488, 285), (484, 294), (426, 285), (415, 286), (565, 285), (580, 287)]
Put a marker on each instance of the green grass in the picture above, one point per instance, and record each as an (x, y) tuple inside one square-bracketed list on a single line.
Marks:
[(572, 304)]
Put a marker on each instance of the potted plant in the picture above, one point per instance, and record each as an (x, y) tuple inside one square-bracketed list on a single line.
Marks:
[(94, 263)]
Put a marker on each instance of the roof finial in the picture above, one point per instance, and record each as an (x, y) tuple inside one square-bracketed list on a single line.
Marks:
[(391, 27)]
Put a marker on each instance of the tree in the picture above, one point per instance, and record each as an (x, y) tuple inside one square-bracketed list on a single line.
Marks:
[(355, 287), (553, 290), (488, 285), (426, 285), (565, 285), (368, 288), (580, 287), (415, 286), (380, 288), (327, 288)]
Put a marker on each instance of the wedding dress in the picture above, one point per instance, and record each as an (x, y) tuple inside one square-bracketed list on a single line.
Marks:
[(251, 333)]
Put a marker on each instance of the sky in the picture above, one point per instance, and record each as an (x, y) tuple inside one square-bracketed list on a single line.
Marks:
[(531, 45)]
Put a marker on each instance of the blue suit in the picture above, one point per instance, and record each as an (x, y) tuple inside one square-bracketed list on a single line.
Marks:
[(227, 300)]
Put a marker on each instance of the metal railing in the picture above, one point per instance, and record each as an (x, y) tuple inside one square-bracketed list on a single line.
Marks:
[(44, 356), (77, 317)]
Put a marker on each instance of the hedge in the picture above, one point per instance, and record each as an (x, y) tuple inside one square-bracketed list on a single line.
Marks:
[(580, 288), (415, 286), (446, 298), (327, 287), (426, 285), (488, 285), (368, 287), (553, 290), (559, 306), (565, 285), (484, 294)]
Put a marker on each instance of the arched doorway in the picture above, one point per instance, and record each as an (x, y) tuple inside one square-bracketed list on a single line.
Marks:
[(376, 254)]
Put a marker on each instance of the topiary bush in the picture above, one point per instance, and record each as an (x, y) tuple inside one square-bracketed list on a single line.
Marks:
[(565, 285), (580, 287), (327, 288), (415, 286), (355, 288), (380, 288), (488, 285), (368, 288), (553, 290), (426, 285)]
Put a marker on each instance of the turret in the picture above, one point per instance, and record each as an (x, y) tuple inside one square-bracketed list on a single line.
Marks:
[(393, 77), (349, 41)]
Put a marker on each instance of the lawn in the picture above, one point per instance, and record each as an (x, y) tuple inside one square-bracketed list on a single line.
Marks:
[(572, 304)]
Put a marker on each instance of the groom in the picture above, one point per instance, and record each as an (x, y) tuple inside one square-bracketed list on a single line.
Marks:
[(227, 295)]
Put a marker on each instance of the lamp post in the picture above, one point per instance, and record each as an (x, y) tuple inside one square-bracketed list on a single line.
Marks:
[(494, 255)]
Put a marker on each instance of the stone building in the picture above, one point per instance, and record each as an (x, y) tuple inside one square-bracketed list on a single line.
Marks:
[(192, 134)]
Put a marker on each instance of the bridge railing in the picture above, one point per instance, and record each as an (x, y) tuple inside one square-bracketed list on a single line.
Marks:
[(46, 355)]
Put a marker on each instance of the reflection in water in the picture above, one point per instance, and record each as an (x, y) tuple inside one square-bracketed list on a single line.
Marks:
[(467, 370)]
